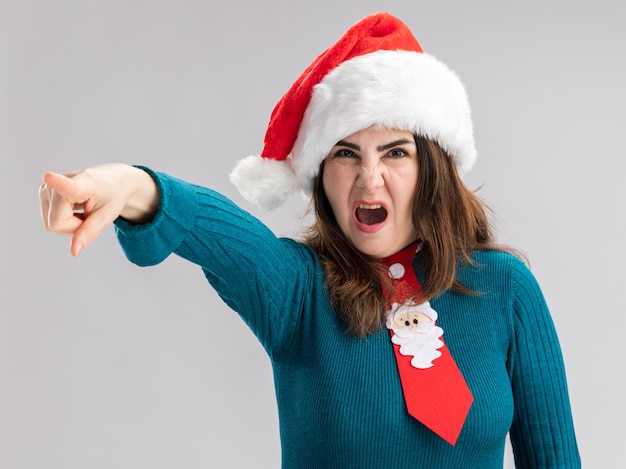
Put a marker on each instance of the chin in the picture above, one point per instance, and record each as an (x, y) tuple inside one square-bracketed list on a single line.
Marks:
[(375, 249)]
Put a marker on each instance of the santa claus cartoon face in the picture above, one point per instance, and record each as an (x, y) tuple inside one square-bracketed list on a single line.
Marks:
[(414, 330), (411, 319)]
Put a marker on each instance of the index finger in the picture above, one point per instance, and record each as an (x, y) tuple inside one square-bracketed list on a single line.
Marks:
[(59, 198), (68, 188)]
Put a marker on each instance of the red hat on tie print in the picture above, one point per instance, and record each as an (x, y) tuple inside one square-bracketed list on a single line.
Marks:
[(376, 74)]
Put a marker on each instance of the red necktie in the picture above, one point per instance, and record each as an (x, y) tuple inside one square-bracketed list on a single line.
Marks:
[(438, 395)]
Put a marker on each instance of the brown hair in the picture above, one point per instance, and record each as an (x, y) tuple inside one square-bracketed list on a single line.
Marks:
[(451, 220)]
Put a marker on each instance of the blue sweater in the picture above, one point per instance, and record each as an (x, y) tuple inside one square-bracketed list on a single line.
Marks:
[(339, 397)]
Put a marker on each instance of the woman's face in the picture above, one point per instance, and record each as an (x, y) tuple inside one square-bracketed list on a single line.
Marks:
[(370, 179)]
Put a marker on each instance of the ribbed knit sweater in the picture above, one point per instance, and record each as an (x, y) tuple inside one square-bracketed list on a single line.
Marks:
[(339, 397)]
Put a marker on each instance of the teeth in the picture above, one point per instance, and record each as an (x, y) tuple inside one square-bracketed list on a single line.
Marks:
[(370, 207)]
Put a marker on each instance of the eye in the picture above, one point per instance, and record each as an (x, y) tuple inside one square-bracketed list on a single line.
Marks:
[(344, 153), (397, 153), (415, 321), (407, 323)]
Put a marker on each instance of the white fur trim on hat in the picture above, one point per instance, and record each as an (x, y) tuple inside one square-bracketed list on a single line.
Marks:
[(401, 90)]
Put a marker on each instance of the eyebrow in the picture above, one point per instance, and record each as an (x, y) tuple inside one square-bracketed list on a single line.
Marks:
[(386, 146)]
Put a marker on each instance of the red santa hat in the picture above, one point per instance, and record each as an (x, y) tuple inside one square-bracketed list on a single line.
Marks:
[(375, 74)]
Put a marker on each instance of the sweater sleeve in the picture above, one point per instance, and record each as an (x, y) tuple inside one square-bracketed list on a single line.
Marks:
[(262, 277), (542, 433)]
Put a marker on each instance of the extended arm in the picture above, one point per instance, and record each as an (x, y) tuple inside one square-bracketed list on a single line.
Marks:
[(266, 279)]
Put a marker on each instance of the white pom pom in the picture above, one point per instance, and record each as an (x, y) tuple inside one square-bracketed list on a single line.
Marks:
[(265, 182)]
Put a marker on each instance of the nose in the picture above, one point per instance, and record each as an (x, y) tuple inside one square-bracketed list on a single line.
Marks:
[(370, 177)]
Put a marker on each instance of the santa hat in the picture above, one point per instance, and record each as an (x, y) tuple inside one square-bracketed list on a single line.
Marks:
[(375, 74)]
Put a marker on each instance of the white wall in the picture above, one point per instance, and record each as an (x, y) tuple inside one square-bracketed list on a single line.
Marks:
[(104, 364)]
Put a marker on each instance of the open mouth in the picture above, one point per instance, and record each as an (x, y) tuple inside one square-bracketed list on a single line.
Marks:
[(370, 214)]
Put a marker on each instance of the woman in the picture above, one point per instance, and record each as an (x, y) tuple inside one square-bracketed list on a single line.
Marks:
[(399, 333)]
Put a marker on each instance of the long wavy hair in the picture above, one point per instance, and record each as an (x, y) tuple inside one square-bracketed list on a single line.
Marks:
[(452, 222)]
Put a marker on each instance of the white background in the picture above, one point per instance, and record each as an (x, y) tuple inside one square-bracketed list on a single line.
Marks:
[(106, 365)]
